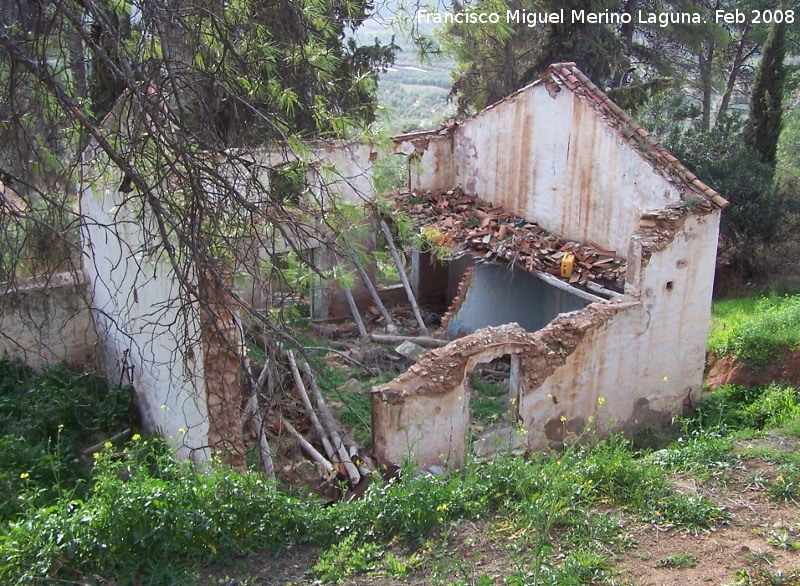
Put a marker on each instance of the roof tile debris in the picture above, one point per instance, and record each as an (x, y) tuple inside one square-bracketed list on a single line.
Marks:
[(466, 224)]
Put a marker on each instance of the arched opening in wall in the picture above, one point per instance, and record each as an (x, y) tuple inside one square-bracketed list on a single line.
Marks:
[(493, 407)]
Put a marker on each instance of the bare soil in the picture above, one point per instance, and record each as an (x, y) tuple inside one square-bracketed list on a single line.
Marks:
[(727, 370)]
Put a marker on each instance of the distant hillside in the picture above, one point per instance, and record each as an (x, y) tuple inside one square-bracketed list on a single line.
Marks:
[(412, 95)]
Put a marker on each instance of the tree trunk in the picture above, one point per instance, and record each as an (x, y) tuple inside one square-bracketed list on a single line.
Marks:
[(705, 63), (738, 60), (222, 366), (627, 28)]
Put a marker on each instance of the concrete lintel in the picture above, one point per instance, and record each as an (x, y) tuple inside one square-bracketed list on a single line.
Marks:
[(559, 284)]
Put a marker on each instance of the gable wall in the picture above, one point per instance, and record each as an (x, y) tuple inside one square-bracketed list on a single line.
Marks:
[(556, 161)]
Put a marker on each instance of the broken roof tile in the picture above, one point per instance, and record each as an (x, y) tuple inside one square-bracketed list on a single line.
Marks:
[(469, 225)]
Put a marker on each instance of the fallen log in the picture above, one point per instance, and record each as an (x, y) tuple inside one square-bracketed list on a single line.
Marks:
[(425, 341), (307, 447), (371, 288), (401, 271), (97, 447), (337, 435), (263, 444), (356, 316), (312, 414)]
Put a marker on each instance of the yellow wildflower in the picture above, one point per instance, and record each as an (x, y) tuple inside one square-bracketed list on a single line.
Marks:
[(136, 437), (600, 400), (24, 475), (181, 431), (96, 455), (107, 445)]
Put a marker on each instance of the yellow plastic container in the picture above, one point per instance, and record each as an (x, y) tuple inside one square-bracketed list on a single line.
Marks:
[(567, 265)]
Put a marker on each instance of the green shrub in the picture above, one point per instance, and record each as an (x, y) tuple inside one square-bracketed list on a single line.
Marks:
[(151, 516), (755, 330), (735, 408), (45, 419)]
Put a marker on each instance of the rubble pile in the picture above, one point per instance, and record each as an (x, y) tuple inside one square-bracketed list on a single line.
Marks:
[(466, 224)]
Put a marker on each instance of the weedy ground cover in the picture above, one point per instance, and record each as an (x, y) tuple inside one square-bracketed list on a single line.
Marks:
[(755, 329), (557, 518), (45, 419)]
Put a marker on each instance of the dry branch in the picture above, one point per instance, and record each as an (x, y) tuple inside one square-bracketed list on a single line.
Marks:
[(332, 427), (425, 341), (390, 327), (263, 444), (307, 447), (401, 271), (312, 414), (97, 447), (357, 316)]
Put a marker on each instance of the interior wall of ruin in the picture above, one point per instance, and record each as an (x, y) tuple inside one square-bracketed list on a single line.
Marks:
[(501, 294)]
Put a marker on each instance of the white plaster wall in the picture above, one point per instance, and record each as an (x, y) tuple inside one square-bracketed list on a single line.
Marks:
[(654, 351), (433, 168), (502, 294), (408, 429), (46, 321), (345, 169), (555, 161), (139, 324)]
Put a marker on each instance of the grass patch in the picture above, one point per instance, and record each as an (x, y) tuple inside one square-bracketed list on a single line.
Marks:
[(677, 560), (45, 419), (488, 401), (755, 329), (153, 519), (735, 408)]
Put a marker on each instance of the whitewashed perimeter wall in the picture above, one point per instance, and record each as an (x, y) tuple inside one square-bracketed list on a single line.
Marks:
[(135, 299), (45, 321)]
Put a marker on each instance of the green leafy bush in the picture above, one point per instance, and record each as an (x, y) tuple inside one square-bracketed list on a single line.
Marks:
[(152, 516), (45, 418), (735, 408), (755, 330)]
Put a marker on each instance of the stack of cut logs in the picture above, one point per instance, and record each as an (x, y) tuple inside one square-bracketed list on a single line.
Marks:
[(339, 457), (467, 225)]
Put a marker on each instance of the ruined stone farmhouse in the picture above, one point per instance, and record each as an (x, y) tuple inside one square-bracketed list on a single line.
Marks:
[(562, 236), (592, 269)]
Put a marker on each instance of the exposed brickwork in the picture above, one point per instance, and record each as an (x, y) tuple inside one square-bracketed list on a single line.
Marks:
[(461, 295), (222, 364)]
